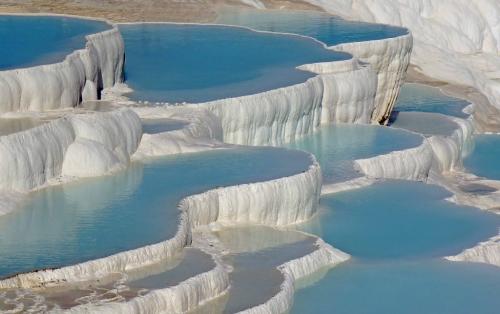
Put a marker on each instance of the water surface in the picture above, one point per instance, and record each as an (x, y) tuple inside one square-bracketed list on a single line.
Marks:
[(337, 146), (92, 218), (35, 40), (424, 98), (193, 63), (331, 30), (484, 159)]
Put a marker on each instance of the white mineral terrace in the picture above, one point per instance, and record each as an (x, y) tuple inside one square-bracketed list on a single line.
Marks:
[(363, 89)]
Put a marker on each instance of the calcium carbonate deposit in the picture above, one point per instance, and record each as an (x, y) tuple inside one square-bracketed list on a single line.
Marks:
[(128, 184)]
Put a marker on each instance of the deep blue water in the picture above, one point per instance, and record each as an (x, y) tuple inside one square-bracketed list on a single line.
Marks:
[(88, 219), (192, 63), (418, 97), (329, 29), (484, 159), (34, 40), (336, 146)]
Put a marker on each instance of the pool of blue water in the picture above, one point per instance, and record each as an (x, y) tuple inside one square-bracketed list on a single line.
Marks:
[(400, 220), (92, 218), (395, 232), (34, 40), (329, 29), (193, 63), (425, 123), (336, 146), (153, 126), (483, 160), (433, 287), (423, 98)]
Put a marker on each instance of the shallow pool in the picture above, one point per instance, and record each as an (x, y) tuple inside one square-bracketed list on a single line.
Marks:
[(484, 159), (400, 220), (193, 63), (337, 146), (42, 39), (92, 218), (423, 98), (331, 30), (433, 287)]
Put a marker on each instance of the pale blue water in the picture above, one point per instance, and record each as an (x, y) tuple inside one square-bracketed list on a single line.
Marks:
[(425, 123), (431, 287), (336, 146), (329, 29), (484, 159), (34, 40), (400, 220), (423, 98), (395, 230), (93, 218), (192, 63), (153, 126)]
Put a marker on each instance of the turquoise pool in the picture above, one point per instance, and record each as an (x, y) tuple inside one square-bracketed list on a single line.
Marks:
[(400, 220), (337, 146), (483, 160), (92, 218), (42, 39), (423, 98), (433, 287), (193, 63), (329, 29)]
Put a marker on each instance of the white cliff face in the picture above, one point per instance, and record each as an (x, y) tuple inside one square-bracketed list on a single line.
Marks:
[(203, 132), (390, 59), (277, 202), (78, 145), (456, 41), (79, 77), (184, 297), (485, 252), (341, 92), (439, 153)]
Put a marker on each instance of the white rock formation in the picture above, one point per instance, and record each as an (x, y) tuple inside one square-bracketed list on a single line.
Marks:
[(485, 252), (456, 41), (339, 93), (79, 77), (324, 256), (77, 145), (438, 153), (184, 297), (202, 132), (389, 58), (277, 202)]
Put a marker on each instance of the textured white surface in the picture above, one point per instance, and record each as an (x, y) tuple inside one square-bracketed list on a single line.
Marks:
[(390, 59), (202, 132), (456, 41), (65, 84), (485, 252), (76, 145), (278, 202), (181, 298), (324, 256), (278, 116)]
